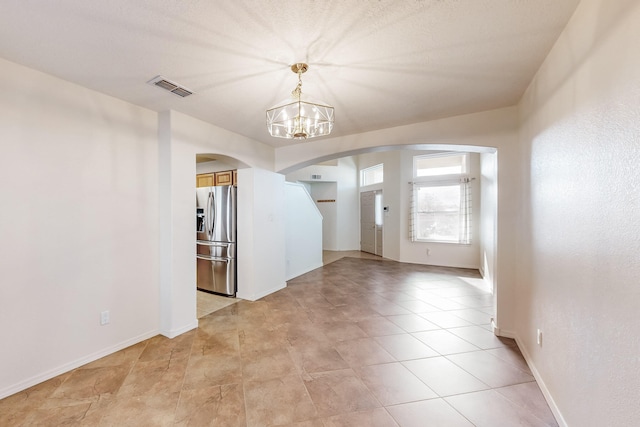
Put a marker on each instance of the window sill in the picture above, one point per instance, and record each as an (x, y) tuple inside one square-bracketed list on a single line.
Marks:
[(442, 242)]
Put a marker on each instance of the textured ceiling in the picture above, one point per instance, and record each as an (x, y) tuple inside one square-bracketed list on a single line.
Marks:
[(379, 63)]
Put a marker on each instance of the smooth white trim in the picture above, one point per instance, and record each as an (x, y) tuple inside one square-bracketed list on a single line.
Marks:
[(304, 271), (465, 266), (52, 373), (299, 185), (543, 387), (502, 333), (262, 294), (496, 330), (179, 331)]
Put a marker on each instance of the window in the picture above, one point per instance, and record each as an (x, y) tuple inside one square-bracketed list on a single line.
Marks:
[(372, 175), (440, 165), (378, 208), (441, 203)]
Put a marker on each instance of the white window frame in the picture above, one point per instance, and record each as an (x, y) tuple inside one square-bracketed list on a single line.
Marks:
[(416, 159), (374, 168), (462, 180)]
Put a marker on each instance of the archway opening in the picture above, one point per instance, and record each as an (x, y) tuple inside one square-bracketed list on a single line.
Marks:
[(485, 199), (216, 231)]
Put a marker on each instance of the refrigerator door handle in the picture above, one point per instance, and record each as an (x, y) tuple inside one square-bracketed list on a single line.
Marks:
[(229, 201), (209, 214), (216, 244), (213, 211), (212, 258)]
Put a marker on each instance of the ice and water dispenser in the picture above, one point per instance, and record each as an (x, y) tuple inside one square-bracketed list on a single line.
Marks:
[(200, 220)]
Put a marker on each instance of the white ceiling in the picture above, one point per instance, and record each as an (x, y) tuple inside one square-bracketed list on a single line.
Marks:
[(380, 63)]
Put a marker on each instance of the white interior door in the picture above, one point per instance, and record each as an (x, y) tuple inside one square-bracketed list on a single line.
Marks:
[(378, 220), (368, 222)]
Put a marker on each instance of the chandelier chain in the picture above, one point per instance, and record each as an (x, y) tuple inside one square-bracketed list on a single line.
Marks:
[(297, 92)]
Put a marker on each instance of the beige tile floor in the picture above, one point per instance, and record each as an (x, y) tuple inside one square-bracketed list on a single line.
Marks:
[(358, 342), (207, 303), (330, 256)]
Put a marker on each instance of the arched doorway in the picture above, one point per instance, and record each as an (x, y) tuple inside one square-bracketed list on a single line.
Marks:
[(485, 200)]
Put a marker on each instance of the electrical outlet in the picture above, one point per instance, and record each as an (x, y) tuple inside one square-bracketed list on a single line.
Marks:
[(104, 318), (428, 251), (539, 337)]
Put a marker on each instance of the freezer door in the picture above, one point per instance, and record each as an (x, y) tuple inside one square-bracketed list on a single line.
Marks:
[(216, 249), (217, 275)]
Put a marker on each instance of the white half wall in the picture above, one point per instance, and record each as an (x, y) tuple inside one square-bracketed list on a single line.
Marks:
[(261, 233), (579, 234), (78, 226), (341, 225), (303, 227)]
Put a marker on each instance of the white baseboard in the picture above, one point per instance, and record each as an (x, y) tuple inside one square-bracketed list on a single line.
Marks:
[(304, 271), (255, 297), (172, 333), (503, 333), (52, 373), (543, 387)]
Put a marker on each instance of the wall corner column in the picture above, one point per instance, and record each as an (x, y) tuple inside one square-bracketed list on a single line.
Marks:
[(177, 296)]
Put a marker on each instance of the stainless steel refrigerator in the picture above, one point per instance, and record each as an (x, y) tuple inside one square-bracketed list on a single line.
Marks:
[(216, 239)]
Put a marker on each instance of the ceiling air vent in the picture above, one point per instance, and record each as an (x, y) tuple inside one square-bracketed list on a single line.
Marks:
[(172, 87)]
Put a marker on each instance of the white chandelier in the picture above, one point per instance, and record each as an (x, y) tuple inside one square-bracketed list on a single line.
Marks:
[(299, 117)]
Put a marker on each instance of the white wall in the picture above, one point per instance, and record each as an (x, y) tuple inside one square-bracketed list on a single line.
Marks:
[(79, 225), (213, 166), (116, 182), (579, 234), (261, 233), (185, 137), (177, 225), (348, 205), (488, 216), (328, 210), (343, 229), (303, 228), (494, 128)]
